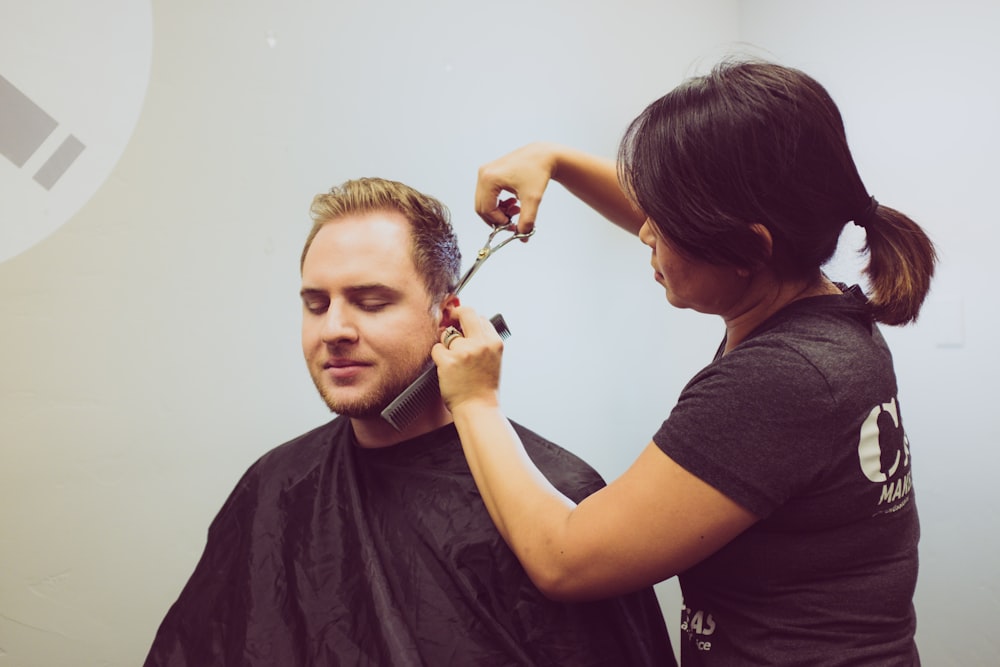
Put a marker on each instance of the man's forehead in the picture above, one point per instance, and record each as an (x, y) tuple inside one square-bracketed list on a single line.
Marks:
[(358, 253), (372, 221), (382, 233)]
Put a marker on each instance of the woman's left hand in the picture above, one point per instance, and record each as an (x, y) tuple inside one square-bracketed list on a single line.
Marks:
[(469, 366)]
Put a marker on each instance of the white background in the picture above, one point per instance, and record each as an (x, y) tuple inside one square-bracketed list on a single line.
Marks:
[(150, 346)]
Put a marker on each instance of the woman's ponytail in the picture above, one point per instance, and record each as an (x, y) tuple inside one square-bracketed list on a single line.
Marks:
[(901, 262)]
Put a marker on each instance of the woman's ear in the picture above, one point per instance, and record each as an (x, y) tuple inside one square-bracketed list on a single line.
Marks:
[(764, 234), (766, 242), (447, 319)]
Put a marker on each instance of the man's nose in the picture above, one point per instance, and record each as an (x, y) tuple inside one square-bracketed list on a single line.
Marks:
[(339, 325)]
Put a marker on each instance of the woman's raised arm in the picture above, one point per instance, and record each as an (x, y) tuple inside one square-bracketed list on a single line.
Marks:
[(526, 173)]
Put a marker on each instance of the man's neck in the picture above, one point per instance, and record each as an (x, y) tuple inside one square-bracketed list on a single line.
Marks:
[(377, 432)]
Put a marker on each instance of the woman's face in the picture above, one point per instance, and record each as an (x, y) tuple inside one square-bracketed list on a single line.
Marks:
[(691, 283)]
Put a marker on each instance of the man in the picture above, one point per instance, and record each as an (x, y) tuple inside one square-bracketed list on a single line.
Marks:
[(356, 544)]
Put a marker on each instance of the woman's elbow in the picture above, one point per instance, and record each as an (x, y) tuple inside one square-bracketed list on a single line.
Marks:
[(565, 581), (560, 584)]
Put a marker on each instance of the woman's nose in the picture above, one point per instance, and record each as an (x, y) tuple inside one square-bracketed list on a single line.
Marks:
[(646, 234)]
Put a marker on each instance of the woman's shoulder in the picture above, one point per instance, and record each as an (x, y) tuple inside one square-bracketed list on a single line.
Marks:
[(824, 332), (823, 352)]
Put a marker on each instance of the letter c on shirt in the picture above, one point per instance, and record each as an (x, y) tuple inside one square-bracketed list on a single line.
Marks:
[(872, 440)]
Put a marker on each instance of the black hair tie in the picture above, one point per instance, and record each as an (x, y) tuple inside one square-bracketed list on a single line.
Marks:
[(868, 214)]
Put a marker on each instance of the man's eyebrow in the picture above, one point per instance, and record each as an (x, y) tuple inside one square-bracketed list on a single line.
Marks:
[(366, 289), (311, 292), (371, 288)]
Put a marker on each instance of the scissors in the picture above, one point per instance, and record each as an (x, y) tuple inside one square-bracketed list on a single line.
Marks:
[(405, 407), (489, 249)]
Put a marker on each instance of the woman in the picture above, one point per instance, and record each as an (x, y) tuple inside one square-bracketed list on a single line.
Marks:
[(779, 487)]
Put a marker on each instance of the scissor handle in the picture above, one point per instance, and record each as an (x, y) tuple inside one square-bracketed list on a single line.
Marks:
[(504, 228)]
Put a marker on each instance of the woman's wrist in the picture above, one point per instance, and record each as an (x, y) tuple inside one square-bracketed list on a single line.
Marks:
[(477, 408)]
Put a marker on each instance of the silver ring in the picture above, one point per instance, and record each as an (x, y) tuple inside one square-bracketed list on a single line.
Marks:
[(450, 334)]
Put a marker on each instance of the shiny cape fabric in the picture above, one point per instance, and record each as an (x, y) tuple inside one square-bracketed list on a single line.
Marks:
[(329, 554)]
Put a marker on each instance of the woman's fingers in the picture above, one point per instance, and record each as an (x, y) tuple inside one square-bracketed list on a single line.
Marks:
[(524, 173), (468, 359)]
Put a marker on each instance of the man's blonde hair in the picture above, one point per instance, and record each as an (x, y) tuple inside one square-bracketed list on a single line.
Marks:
[(435, 248)]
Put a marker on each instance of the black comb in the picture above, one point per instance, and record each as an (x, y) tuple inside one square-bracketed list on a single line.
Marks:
[(412, 401)]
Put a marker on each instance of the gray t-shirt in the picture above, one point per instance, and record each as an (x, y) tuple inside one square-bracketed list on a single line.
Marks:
[(801, 425)]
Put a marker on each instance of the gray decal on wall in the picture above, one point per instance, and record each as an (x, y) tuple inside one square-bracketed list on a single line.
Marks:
[(24, 126), (55, 166), (72, 85)]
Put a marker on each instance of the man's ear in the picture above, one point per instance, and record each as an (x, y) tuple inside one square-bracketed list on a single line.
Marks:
[(447, 319)]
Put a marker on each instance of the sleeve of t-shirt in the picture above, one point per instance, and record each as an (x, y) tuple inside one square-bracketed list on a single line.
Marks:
[(751, 425)]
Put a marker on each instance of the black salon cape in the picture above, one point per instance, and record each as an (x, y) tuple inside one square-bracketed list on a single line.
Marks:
[(329, 554)]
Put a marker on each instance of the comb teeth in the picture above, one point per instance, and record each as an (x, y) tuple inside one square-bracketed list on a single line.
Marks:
[(500, 324), (405, 407), (412, 400)]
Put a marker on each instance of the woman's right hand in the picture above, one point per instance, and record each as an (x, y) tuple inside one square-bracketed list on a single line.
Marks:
[(525, 173)]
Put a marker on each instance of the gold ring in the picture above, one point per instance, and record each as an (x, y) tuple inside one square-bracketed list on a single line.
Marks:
[(450, 334)]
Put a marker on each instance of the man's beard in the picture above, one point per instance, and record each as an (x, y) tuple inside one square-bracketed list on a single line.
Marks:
[(372, 404)]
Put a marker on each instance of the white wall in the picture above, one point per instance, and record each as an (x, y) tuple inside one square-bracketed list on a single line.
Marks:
[(150, 344)]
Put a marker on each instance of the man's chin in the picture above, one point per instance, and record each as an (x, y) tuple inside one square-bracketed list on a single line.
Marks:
[(365, 404), (364, 407), (357, 409)]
